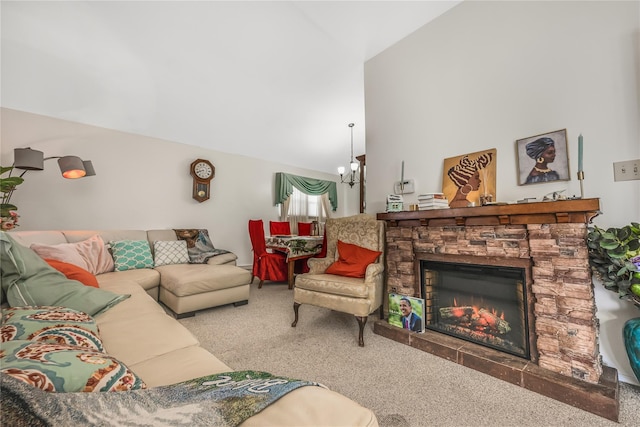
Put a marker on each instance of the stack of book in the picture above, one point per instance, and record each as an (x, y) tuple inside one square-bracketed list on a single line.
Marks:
[(432, 201)]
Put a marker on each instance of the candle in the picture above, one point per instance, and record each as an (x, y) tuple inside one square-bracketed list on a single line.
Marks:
[(580, 153), (402, 175)]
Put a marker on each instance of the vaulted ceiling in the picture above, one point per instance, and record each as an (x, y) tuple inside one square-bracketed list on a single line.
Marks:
[(278, 80)]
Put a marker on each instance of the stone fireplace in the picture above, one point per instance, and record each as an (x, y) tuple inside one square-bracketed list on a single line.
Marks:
[(547, 242)]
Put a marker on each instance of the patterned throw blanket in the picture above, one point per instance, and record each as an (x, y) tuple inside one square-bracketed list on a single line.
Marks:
[(199, 245), (225, 399)]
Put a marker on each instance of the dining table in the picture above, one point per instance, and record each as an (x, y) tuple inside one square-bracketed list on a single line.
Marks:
[(296, 248)]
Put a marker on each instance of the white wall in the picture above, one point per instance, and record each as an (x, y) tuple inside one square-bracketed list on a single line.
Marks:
[(488, 73), (143, 183)]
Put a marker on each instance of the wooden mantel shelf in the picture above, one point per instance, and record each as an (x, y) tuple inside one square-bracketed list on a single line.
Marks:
[(552, 212)]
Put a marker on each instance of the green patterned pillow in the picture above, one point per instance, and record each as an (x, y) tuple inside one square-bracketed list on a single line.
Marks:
[(170, 252), (131, 254), (65, 368), (56, 325)]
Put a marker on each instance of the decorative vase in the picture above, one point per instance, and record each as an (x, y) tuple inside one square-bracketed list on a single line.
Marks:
[(9, 222), (631, 334)]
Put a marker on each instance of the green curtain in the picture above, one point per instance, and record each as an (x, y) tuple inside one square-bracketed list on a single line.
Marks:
[(315, 187)]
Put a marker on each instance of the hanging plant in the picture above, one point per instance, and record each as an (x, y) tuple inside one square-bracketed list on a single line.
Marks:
[(614, 257), (8, 212)]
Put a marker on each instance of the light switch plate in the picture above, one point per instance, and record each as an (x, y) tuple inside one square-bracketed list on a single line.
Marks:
[(409, 187), (627, 170)]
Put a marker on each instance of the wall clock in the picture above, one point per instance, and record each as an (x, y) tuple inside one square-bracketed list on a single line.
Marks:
[(202, 172)]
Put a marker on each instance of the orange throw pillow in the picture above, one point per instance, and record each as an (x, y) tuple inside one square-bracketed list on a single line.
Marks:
[(352, 261), (73, 272)]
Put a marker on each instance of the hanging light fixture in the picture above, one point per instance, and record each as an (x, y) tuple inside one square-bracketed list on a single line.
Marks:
[(351, 178)]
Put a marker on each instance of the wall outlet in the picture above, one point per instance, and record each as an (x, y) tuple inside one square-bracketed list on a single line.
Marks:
[(626, 171)]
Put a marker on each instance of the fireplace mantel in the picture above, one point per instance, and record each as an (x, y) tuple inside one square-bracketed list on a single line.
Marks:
[(552, 212)]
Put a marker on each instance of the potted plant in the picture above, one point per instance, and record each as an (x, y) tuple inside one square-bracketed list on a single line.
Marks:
[(8, 212), (614, 257)]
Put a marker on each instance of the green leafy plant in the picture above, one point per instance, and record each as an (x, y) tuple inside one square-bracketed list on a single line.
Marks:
[(614, 257), (7, 186)]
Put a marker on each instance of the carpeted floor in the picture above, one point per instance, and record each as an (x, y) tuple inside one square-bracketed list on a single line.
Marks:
[(402, 385)]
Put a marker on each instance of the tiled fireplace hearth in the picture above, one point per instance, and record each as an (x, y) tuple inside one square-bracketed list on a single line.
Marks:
[(548, 241)]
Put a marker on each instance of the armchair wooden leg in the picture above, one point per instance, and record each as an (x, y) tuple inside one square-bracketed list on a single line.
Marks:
[(260, 284), (295, 310), (362, 320)]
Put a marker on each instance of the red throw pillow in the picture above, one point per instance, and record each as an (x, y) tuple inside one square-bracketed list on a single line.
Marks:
[(352, 261), (73, 272)]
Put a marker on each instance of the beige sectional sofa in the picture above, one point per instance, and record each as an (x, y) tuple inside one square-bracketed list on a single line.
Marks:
[(157, 348), (183, 288)]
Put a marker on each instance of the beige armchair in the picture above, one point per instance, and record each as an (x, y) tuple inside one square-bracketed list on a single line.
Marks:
[(357, 296)]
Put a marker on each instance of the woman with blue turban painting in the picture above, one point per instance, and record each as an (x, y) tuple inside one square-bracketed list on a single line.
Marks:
[(543, 151)]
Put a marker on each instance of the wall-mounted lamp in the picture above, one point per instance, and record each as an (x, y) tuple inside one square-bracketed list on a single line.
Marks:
[(352, 177), (70, 166)]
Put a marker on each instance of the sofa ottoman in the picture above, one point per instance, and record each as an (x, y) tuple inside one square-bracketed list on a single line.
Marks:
[(186, 288)]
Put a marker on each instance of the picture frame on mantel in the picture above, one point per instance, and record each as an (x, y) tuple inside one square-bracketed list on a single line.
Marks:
[(469, 177), (543, 158)]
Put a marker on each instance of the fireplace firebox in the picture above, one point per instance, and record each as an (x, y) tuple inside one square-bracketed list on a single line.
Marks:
[(483, 304)]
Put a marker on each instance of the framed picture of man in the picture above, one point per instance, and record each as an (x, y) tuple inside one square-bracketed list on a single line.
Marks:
[(406, 312), (468, 177), (543, 158)]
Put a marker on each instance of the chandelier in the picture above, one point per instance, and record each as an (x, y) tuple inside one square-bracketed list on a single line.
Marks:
[(351, 177)]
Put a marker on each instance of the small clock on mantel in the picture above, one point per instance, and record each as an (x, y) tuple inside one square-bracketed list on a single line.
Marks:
[(202, 172)]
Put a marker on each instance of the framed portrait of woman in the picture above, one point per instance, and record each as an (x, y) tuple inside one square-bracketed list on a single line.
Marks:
[(468, 177), (543, 158)]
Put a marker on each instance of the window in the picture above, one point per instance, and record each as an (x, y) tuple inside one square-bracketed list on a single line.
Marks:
[(305, 208)]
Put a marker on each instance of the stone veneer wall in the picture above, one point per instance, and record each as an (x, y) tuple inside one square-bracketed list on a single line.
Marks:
[(566, 326)]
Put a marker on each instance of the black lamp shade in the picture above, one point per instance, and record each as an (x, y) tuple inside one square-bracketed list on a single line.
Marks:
[(28, 159), (72, 167), (88, 167)]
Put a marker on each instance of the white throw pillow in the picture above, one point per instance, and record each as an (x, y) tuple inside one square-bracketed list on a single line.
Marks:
[(170, 252)]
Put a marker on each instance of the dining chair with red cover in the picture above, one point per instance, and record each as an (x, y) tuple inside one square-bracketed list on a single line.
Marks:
[(279, 228), (266, 265), (304, 228)]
